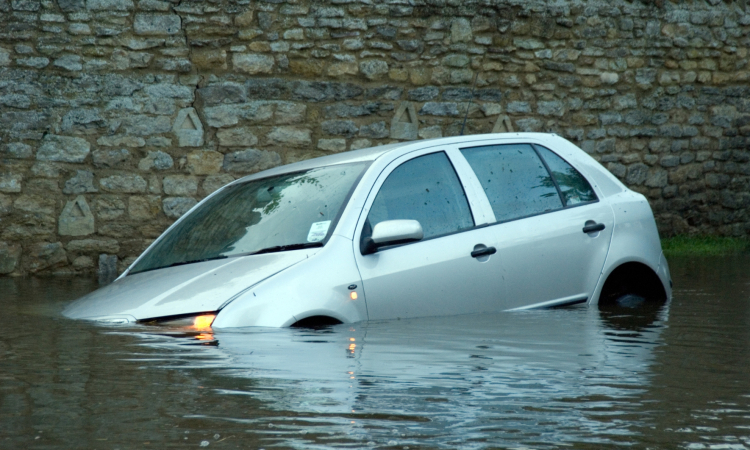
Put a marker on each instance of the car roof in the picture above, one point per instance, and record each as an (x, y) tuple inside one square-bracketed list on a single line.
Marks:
[(373, 153)]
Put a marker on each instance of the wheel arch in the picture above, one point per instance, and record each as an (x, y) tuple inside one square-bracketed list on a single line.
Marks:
[(632, 277)]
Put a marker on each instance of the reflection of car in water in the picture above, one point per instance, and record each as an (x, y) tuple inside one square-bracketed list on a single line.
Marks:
[(441, 227), (563, 375)]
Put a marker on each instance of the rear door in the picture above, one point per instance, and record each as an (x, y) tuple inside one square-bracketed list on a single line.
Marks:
[(553, 233)]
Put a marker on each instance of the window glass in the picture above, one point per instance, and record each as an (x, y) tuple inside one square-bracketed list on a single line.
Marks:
[(424, 189), (283, 212), (575, 189), (514, 179)]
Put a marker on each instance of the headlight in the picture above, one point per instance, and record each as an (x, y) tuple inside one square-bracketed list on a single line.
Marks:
[(201, 321)]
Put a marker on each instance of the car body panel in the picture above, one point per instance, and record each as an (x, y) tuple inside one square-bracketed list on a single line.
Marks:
[(548, 259), (635, 239), (319, 285), (432, 278), (189, 288)]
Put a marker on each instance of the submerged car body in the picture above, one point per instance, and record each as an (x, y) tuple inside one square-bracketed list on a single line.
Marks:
[(449, 226)]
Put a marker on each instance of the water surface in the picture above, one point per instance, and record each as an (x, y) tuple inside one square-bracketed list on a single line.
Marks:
[(676, 376)]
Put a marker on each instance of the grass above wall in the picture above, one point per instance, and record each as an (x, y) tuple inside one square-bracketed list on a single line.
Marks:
[(704, 245)]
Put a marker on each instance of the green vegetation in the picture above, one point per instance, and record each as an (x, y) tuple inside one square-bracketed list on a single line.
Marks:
[(704, 245)]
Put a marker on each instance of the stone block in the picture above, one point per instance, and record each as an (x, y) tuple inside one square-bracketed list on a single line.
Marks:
[(169, 90), (83, 262), (144, 125), (10, 182), (125, 184), (204, 162), (440, 109), (290, 136), (175, 207), (503, 125), (432, 132), (180, 185), (156, 160), (109, 207), (43, 206), (373, 69), (307, 67), (121, 140), (63, 149), (107, 271), (236, 137), (44, 255), (636, 174), (209, 59), (188, 128), (156, 24), (332, 145), (108, 5), (244, 19), (377, 130), (81, 183), (76, 218), (252, 63), (456, 60), (251, 160), (346, 128), (10, 255), (405, 123), (220, 93), (110, 159), (144, 207), (69, 62), (360, 143), (461, 30), (5, 204), (343, 68), (214, 182), (4, 57)]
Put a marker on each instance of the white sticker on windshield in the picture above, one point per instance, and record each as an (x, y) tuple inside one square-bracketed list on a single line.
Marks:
[(318, 231)]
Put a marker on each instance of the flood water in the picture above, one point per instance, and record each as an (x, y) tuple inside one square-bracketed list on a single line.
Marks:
[(677, 376)]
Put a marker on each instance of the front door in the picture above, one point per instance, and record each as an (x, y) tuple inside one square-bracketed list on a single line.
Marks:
[(437, 275)]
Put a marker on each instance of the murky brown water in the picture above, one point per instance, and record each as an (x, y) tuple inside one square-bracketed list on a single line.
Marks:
[(676, 377)]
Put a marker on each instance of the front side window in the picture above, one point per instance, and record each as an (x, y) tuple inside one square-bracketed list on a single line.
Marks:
[(284, 212), (425, 189), (515, 180)]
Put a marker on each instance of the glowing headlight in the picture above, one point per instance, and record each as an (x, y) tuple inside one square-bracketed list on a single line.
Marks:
[(197, 322)]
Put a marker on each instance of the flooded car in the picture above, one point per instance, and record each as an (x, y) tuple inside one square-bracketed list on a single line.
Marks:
[(450, 226)]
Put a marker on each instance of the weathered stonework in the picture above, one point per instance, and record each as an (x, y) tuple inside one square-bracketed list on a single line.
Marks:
[(139, 109)]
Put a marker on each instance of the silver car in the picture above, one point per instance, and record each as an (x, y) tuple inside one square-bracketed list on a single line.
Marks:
[(458, 225)]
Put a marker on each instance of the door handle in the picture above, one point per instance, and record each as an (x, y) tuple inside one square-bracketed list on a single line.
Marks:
[(483, 252), (592, 227)]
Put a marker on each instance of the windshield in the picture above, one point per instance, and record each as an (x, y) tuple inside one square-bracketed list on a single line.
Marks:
[(285, 212)]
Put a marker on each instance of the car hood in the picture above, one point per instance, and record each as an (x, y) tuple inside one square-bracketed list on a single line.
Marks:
[(185, 289)]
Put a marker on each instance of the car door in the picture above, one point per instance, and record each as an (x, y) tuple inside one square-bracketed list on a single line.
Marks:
[(436, 275), (553, 233)]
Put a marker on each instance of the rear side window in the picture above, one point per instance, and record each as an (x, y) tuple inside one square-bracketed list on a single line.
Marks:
[(573, 187), (426, 189), (514, 179)]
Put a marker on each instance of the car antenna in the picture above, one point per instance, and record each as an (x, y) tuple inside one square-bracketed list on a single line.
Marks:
[(471, 99)]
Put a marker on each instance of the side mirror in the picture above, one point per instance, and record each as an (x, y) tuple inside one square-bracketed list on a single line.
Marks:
[(392, 232)]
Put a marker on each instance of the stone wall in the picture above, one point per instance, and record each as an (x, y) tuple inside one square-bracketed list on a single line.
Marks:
[(119, 115)]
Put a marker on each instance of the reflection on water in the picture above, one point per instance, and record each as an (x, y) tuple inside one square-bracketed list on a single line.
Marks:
[(672, 376)]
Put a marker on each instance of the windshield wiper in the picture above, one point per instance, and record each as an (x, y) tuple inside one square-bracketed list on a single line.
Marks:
[(283, 248), (182, 263)]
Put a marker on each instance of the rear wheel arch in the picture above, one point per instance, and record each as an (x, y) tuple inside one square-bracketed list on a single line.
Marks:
[(632, 278)]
